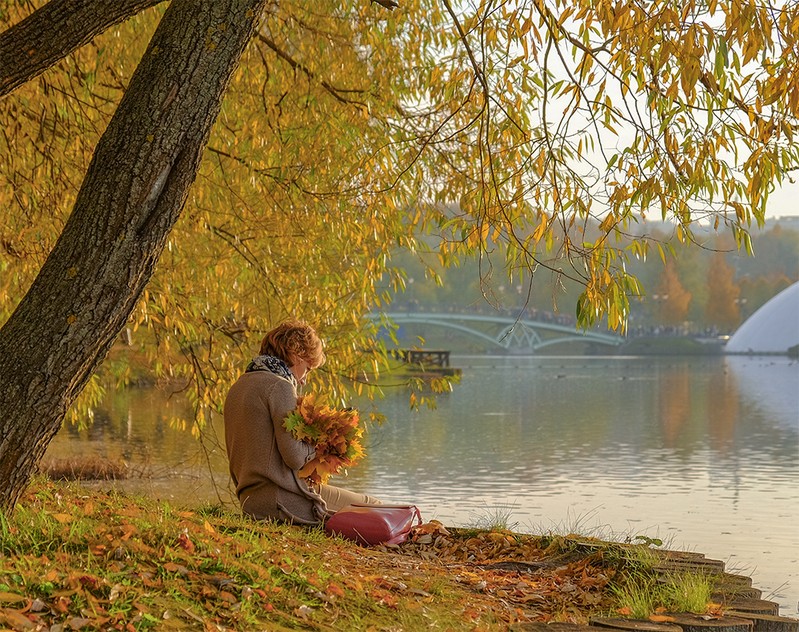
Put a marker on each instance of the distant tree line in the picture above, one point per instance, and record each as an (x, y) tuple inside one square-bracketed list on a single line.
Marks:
[(711, 289)]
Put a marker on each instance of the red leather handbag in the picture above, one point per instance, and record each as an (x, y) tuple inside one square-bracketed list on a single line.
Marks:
[(374, 524)]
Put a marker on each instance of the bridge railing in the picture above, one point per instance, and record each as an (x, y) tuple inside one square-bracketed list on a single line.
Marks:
[(509, 332)]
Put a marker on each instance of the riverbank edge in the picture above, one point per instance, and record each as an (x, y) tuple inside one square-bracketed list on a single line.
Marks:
[(83, 559)]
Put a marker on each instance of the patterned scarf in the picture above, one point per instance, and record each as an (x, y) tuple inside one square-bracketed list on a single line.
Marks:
[(272, 364)]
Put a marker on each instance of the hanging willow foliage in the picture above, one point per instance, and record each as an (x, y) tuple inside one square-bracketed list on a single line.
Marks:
[(534, 134)]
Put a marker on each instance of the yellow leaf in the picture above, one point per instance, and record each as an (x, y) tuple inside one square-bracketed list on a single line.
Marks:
[(63, 518), (7, 597)]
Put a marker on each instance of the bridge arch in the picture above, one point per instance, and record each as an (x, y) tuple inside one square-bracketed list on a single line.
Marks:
[(503, 332)]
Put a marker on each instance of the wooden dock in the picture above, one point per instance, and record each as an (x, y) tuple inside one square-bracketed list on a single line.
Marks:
[(740, 608), (427, 361)]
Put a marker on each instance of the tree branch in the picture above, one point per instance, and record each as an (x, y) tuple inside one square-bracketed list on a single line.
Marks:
[(55, 30), (333, 90)]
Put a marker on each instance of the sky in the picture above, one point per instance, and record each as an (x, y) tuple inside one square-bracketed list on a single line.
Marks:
[(784, 201)]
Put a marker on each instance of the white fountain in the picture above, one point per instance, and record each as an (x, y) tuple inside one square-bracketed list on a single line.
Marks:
[(774, 328)]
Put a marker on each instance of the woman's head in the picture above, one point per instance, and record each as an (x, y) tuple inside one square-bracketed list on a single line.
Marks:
[(294, 342)]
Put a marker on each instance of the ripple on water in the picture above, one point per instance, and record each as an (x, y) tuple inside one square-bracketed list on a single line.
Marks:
[(694, 451)]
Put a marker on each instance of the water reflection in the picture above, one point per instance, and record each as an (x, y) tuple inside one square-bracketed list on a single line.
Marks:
[(146, 429), (769, 385), (682, 448), (700, 451)]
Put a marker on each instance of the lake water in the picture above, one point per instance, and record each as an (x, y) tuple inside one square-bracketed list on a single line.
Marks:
[(701, 452)]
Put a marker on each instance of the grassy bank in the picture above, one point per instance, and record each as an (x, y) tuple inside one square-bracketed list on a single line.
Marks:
[(78, 559)]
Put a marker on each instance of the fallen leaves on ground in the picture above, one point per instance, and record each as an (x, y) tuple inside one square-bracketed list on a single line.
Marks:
[(114, 565), (515, 569)]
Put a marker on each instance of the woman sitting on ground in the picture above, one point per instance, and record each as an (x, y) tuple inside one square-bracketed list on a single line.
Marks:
[(264, 458)]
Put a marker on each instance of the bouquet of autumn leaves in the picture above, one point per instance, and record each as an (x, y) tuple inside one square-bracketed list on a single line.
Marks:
[(334, 433)]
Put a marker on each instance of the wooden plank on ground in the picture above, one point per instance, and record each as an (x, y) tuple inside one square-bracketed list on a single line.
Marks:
[(767, 622), (636, 625)]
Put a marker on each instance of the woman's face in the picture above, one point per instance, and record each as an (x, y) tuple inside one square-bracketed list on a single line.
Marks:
[(299, 369)]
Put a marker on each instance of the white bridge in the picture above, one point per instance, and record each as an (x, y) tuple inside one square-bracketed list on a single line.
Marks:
[(504, 332)]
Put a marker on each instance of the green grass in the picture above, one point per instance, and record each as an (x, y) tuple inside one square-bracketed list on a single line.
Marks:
[(638, 597), (115, 561), (120, 560), (641, 595), (688, 592), (494, 519)]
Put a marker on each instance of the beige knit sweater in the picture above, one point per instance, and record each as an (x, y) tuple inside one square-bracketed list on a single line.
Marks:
[(264, 458)]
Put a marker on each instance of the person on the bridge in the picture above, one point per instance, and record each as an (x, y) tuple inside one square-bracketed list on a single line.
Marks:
[(264, 458)]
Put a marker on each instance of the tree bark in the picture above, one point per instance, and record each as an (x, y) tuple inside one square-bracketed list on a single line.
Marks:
[(53, 31), (133, 193)]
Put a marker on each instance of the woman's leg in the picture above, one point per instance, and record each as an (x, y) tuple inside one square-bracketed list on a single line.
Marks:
[(337, 497)]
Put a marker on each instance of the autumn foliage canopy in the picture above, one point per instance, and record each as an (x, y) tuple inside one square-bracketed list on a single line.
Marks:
[(157, 173)]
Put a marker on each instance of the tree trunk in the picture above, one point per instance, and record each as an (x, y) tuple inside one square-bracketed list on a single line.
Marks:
[(55, 30), (132, 195)]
